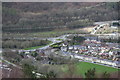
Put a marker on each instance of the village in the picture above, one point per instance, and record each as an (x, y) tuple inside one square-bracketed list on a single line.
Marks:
[(57, 39), (91, 50), (95, 51), (60, 51)]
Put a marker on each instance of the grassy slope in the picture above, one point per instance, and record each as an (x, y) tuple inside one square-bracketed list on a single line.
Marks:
[(82, 67), (44, 34)]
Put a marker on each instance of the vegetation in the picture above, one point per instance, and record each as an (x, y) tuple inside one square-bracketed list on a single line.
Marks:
[(12, 56), (77, 40), (36, 47), (21, 20), (56, 45), (112, 40), (34, 54), (12, 15), (27, 69), (59, 39), (68, 67), (55, 33), (83, 67), (22, 17), (90, 73), (106, 75), (50, 74), (88, 70), (24, 44)]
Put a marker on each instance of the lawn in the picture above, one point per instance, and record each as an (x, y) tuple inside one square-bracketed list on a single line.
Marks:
[(82, 67)]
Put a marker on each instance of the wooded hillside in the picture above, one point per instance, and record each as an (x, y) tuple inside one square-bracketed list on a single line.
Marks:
[(37, 17)]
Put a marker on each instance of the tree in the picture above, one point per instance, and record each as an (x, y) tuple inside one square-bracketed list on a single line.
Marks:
[(71, 70), (106, 75), (34, 54), (77, 40), (22, 54), (50, 74), (90, 73), (27, 69)]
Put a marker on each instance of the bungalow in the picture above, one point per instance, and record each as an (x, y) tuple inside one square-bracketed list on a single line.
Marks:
[(88, 59), (27, 52), (98, 60), (108, 62), (79, 57), (64, 44), (103, 61), (70, 47), (110, 53), (116, 63), (76, 51)]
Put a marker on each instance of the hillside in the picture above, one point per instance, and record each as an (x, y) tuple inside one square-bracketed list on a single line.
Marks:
[(37, 17)]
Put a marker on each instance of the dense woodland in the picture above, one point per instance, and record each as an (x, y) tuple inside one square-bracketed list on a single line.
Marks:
[(38, 17)]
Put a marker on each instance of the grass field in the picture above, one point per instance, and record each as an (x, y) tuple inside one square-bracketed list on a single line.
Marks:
[(36, 47), (82, 67), (44, 34)]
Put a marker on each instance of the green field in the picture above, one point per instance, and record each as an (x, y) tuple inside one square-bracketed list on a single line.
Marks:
[(44, 34), (82, 67), (36, 47)]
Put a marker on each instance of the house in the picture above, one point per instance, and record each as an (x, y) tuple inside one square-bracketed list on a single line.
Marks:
[(64, 48), (79, 57), (71, 47), (110, 53), (64, 44), (27, 52), (116, 64), (98, 60)]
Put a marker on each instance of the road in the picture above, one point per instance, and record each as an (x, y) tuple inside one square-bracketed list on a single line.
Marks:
[(63, 37), (97, 28), (100, 24), (8, 68), (54, 41), (104, 22), (10, 63), (74, 55)]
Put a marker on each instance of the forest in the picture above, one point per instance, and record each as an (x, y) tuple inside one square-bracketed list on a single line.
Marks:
[(19, 17)]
